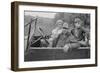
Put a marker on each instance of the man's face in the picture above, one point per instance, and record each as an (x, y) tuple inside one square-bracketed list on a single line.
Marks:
[(78, 22), (59, 23)]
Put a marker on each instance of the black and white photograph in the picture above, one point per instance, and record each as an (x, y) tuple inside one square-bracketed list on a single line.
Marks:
[(56, 35), (51, 36)]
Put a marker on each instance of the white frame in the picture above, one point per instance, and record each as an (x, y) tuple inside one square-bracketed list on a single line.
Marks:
[(23, 64)]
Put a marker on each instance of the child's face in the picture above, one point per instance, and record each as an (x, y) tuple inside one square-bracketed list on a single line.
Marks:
[(59, 23), (77, 22)]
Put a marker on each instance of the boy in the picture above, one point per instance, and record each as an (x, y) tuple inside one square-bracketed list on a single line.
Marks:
[(78, 36)]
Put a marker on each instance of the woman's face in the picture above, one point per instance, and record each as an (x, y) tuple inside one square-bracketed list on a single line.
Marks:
[(78, 22)]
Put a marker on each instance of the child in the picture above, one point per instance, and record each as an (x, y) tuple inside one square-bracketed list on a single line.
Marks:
[(55, 33), (78, 36)]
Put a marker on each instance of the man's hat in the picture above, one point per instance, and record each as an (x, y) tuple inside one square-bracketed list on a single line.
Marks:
[(65, 25)]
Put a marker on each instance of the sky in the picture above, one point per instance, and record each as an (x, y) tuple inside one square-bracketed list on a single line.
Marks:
[(41, 14)]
